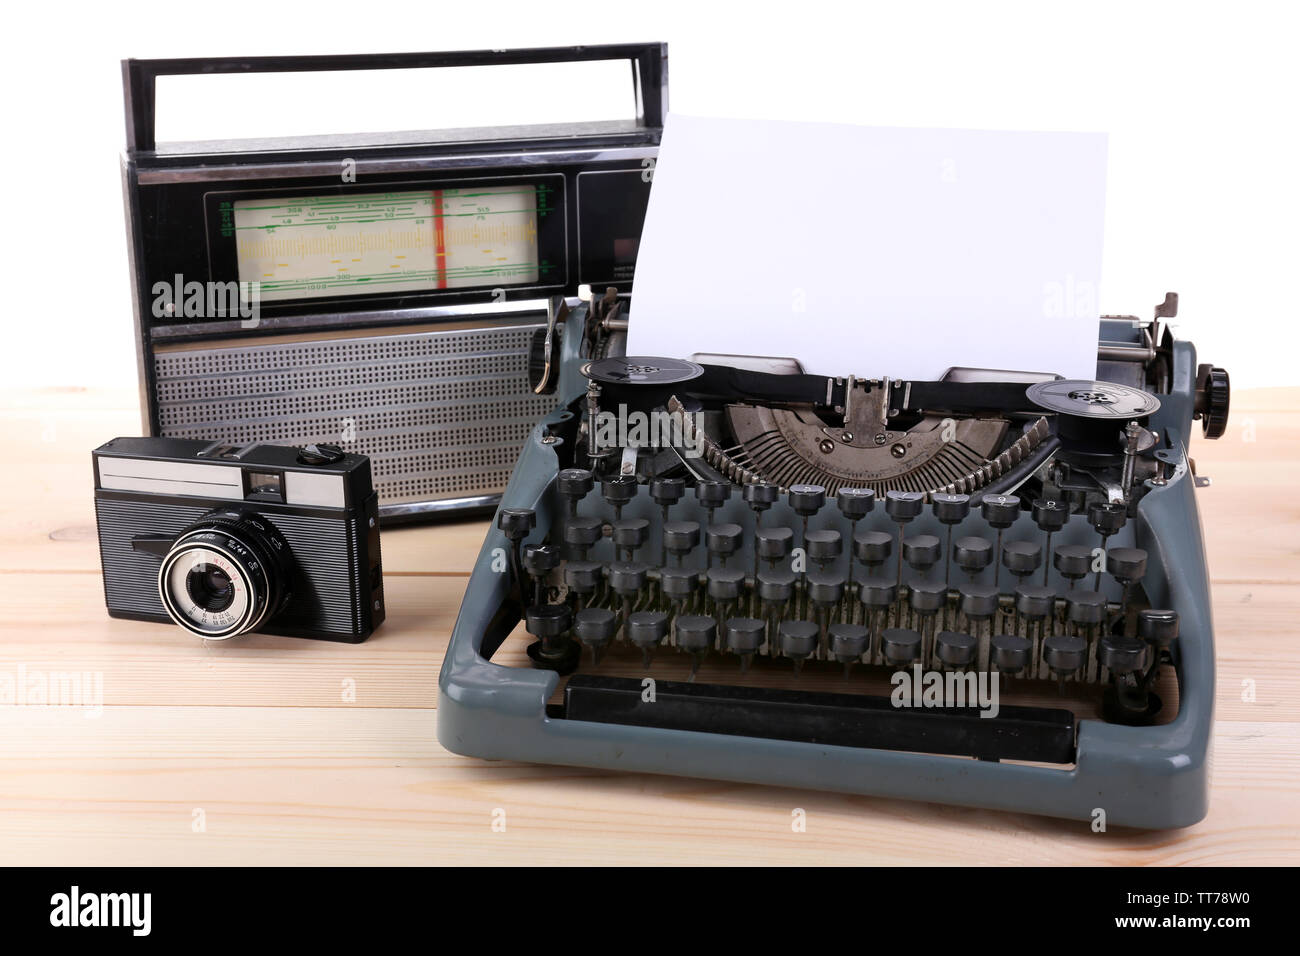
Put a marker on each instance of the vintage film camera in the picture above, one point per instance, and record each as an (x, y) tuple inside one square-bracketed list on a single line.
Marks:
[(224, 540), (397, 305)]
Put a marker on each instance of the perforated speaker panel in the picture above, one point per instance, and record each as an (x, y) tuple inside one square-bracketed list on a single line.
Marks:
[(441, 412)]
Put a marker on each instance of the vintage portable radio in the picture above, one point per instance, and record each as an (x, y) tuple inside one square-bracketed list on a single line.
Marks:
[(382, 292), (742, 596)]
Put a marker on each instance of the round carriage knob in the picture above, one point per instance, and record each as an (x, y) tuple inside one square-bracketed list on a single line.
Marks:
[(1121, 654), (516, 522), (900, 646), (798, 639), (760, 495), (950, 509), (955, 649), (1213, 396), (667, 491), (1126, 564), (1000, 511), (1158, 627), (1009, 653), (972, 554), (903, 506), (807, 500), (1022, 558), (575, 483), (696, 633), (873, 547)]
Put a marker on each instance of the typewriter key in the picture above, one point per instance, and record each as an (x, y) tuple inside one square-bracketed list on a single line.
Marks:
[(798, 641), (722, 541), (574, 484), (554, 650), (695, 635), (848, 642), (1009, 653), (595, 627), (1073, 561), (744, 637), (955, 650), (645, 629), (580, 534), (680, 539), (773, 544), (900, 647)]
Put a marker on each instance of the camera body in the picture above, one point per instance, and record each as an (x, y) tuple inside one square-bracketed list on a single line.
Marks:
[(223, 540)]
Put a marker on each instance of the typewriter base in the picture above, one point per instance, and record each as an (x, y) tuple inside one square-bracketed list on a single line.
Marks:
[(1149, 777)]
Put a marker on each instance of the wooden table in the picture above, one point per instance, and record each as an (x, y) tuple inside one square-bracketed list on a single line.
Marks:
[(254, 751)]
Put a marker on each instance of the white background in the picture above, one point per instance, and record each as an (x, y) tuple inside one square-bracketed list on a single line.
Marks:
[(1200, 104)]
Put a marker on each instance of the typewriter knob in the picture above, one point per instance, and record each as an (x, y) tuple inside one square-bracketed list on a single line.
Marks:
[(950, 509), (1000, 511), (1213, 396), (1158, 627), (807, 500), (516, 522), (855, 503)]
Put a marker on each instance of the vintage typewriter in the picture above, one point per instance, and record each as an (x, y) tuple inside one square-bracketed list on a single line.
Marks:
[(732, 597)]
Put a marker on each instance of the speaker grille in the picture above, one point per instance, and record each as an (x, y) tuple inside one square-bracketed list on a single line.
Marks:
[(442, 413)]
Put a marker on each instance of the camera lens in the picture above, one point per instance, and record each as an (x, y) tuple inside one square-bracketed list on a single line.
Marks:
[(210, 587), (225, 575)]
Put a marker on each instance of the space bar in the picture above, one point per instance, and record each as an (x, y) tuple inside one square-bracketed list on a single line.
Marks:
[(843, 720)]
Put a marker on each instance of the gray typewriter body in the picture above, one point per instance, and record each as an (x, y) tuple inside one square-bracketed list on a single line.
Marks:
[(1151, 771)]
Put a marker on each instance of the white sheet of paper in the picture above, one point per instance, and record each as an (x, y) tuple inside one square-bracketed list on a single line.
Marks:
[(873, 251)]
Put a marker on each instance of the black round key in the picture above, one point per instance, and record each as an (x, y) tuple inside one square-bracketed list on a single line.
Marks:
[(696, 633), (1065, 653), (1000, 511), (922, 551), (1159, 627), (807, 500), (618, 490), (1121, 654), (679, 583), (903, 506), (855, 503), (547, 620), (1107, 518), (824, 545), (798, 639), (1085, 607), (595, 626), (631, 532), (848, 642), (760, 495), (872, 547), (950, 509), (540, 559), (1035, 600), (900, 646), (667, 491), (1074, 561), (825, 587), (773, 544), (645, 629), (723, 539), (1009, 653), (516, 522), (972, 554), (582, 576), (1022, 558), (575, 483), (978, 601), (1050, 515), (776, 586), (955, 649), (878, 592), (681, 537), (744, 634), (712, 494), (583, 532), (725, 583), (1126, 564), (627, 577), (927, 597)]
